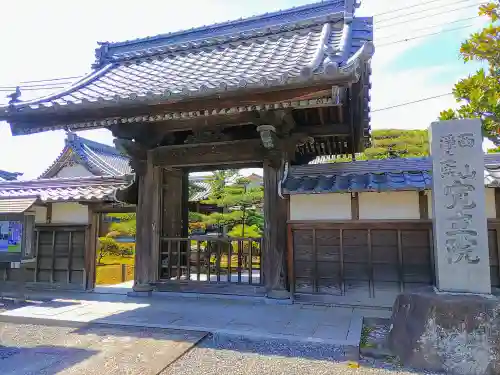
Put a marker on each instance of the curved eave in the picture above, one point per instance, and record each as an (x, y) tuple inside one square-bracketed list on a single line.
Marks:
[(347, 72)]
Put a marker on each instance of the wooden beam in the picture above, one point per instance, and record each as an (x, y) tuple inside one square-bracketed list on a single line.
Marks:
[(48, 215), (144, 240), (423, 206), (216, 153), (327, 130), (219, 101), (497, 203), (355, 206), (275, 234)]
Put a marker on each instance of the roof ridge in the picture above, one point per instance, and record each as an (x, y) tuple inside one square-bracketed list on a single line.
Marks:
[(66, 181), (105, 50)]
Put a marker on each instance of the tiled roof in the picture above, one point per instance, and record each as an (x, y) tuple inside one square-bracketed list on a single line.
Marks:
[(98, 158), (373, 175), (66, 189), (320, 41), (16, 205), (9, 176)]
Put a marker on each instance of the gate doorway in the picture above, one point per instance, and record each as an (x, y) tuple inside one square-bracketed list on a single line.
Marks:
[(220, 244), (115, 249)]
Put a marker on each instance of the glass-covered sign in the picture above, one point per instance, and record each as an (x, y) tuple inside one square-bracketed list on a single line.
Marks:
[(11, 234)]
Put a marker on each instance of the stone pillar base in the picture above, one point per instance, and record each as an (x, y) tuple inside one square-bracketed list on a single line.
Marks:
[(449, 333), (142, 288), (279, 296)]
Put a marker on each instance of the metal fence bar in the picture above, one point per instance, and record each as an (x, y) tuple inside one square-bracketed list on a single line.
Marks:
[(207, 260), (198, 260), (240, 250), (229, 261), (178, 259), (250, 263)]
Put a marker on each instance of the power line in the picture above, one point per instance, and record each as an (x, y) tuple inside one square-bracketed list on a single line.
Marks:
[(57, 81), (425, 17), (32, 89), (52, 79), (412, 102), (408, 7), (422, 36), (431, 27)]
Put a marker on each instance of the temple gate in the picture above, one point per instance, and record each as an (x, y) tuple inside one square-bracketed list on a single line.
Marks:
[(268, 91)]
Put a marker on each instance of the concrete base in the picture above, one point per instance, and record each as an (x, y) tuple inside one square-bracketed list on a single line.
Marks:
[(279, 294), (458, 334), (143, 288)]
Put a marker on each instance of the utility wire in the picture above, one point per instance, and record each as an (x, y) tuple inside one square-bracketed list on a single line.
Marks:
[(429, 27), (425, 17), (412, 102), (422, 36), (56, 82), (409, 7)]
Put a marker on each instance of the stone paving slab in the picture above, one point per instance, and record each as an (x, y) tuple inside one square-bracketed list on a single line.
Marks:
[(93, 349), (329, 325)]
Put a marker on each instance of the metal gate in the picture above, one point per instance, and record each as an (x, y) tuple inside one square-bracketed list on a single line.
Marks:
[(210, 260)]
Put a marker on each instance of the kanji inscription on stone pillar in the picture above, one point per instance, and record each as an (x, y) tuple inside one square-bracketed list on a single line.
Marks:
[(459, 213)]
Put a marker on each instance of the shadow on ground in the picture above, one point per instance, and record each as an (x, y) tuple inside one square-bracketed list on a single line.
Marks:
[(47, 360)]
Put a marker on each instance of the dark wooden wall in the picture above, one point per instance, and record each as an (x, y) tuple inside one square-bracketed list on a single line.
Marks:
[(368, 259), (59, 259)]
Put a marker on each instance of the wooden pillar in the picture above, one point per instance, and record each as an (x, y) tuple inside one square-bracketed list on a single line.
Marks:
[(174, 216), (147, 233), (274, 241)]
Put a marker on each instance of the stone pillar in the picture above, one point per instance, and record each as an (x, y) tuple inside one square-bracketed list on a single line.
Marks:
[(459, 218), (274, 241)]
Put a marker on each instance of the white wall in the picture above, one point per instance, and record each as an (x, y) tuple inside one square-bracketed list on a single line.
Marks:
[(76, 170), (40, 215), (490, 203), (389, 205), (69, 213), (332, 206)]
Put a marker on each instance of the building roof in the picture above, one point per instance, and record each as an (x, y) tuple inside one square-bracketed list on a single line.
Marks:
[(9, 176), (98, 158), (66, 189), (303, 45), (373, 175)]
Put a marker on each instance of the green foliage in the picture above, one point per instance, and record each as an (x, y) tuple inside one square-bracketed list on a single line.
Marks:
[(239, 201), (247, 231), (109, 246), (394, 143), (479, 94), (494, 150), (127, 225)]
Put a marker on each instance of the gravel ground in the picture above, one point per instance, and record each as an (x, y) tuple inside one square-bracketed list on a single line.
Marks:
[(209, 358)]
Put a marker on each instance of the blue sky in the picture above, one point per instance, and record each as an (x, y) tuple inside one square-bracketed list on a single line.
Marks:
[(56, 38)]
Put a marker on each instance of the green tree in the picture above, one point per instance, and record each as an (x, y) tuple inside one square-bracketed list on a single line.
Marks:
[(394, 143), (240, 202), (479, 94)]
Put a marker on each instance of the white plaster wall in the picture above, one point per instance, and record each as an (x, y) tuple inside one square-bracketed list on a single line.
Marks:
[(40, 214), (389, 205), (331, 206), (70, 213), (76, 170), (490, 203)]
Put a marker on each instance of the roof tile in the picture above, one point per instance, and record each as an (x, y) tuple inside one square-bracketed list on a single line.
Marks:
[(374, 175)]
